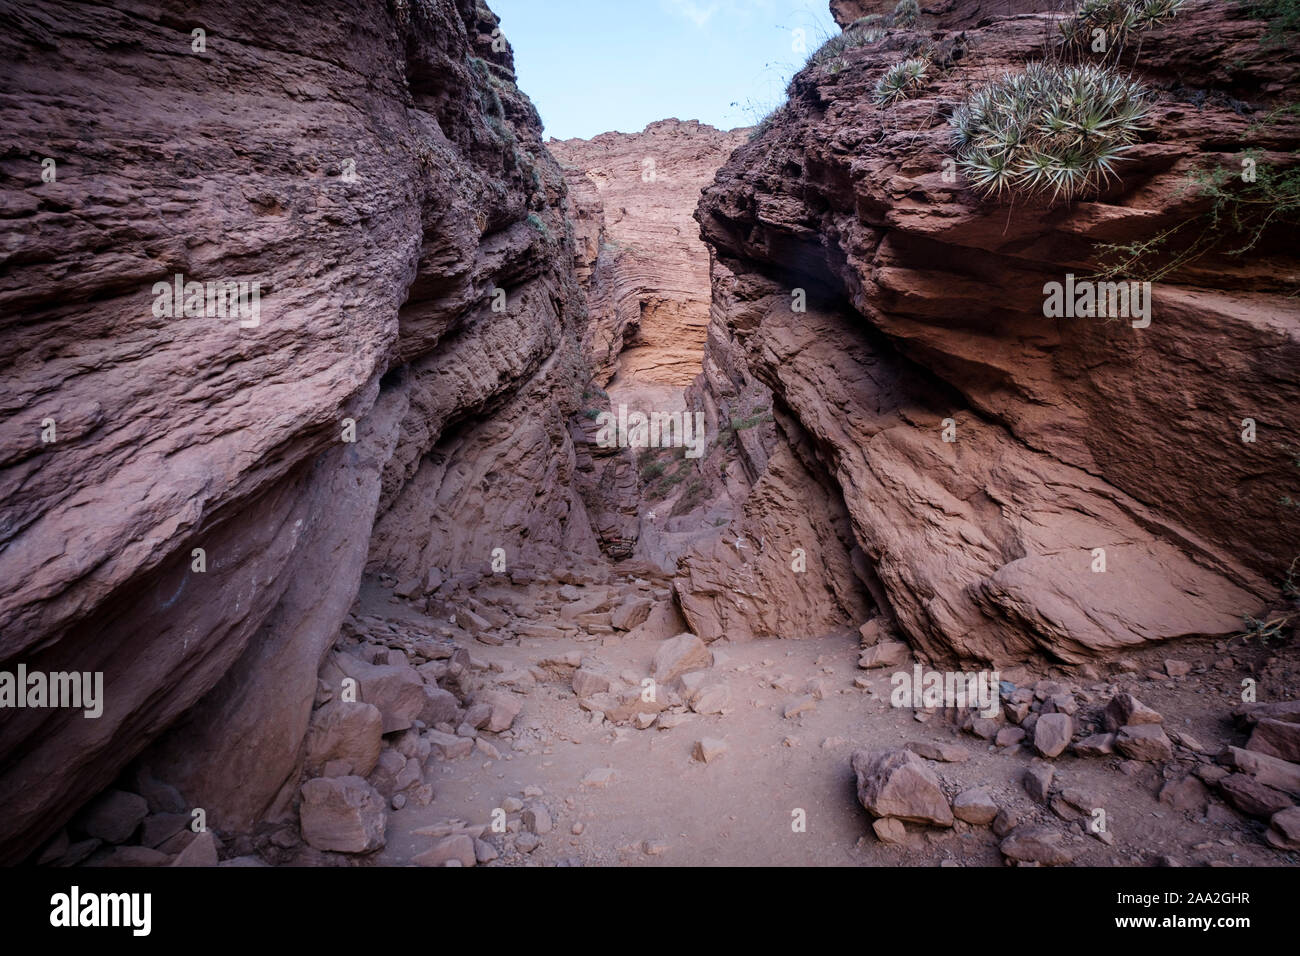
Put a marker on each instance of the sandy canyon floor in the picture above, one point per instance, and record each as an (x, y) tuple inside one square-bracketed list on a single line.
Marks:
[(600, 794)]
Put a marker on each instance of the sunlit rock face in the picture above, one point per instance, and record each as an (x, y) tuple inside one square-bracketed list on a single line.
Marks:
[(640, 257)]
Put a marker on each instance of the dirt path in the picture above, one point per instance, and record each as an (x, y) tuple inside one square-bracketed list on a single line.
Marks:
[(662, 806)]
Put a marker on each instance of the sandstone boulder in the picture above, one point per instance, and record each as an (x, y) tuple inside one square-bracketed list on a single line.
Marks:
[(708, 749), (344, 814), (1037, 780), (975, 806), (199, 852), (680, 654), (1284, 829), (349, 732), (113, 816), (1144, 742), (631, 613), (1268, 770), (884, 654), (588, 682), (942, 752), (397, 691), (1096, 745), (889, 830), (505, 707), (898, 783), (1036, 844), (1276, 738), (1052, 734), (1252, 797), (1126, 710), (457, 847)]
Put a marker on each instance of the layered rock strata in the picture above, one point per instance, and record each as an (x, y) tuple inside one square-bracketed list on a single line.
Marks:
[(189, 501), (1019, 485), (640, 257)]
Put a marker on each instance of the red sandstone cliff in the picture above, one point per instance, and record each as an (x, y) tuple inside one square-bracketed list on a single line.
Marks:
[(925, 305), (639, 252), (380, 175)]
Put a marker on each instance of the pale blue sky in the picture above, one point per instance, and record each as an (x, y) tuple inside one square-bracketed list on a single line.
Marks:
[(596, 65)]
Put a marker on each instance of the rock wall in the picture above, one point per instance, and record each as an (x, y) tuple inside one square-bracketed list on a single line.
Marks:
[(640, 257), (644, 271), (925, 311), (786, 563), (380, 176)]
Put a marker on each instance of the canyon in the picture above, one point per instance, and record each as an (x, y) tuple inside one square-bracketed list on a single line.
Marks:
[(364, 584)]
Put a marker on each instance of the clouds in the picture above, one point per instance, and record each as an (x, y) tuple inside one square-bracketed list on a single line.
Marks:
[(702, 12), (683, 58), (698, 13)]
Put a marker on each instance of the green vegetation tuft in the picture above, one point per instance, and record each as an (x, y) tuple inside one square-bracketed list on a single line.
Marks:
[(900, 81), (830, 55), (536, 222), (1048, 131), (1283, 17), (906, 13), (1246, 200), (1117, 19)]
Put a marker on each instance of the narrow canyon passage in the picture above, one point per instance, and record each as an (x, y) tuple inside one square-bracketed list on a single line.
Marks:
[(725, 761), (623, 500)]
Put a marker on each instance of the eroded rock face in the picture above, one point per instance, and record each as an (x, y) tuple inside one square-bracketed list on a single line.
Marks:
[(925, 313), (639, 252), (380, 176), (645, 273), (785, 562), (783, 569)]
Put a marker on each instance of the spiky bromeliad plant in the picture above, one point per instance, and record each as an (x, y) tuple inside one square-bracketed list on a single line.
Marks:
[(907, 13), (1117, 19), (1050, 131), (900, 81)]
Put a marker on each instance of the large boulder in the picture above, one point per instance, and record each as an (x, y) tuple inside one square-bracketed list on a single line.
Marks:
[(1144, 742), (1271, 771), (631, 613), (1125, 710), (626, 703), (588, 682), (440, 706), (458, 847), (1052, 734), (113, 816), (348, 732), (1276, 738), (975, 806), (884, 654), (898, 783), (344, 814), (680, 654), (503, 706), (1253, 798), (395, 689), (1284, 829), (1036, 844)]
